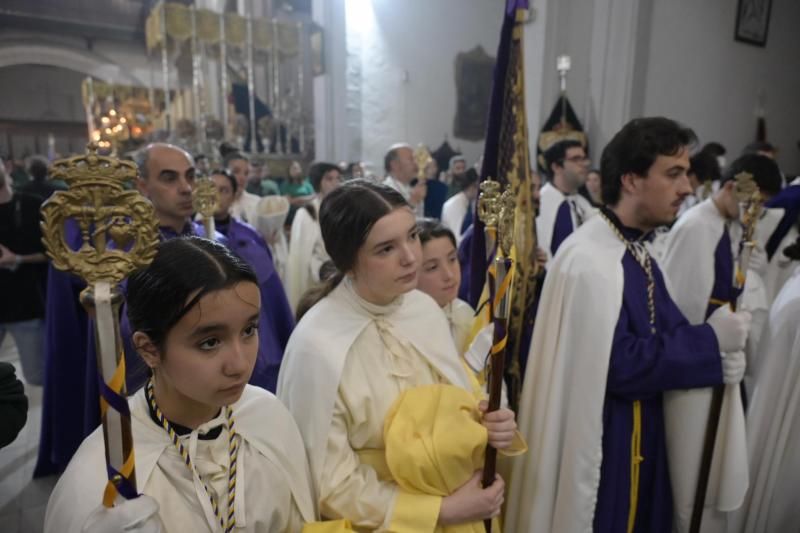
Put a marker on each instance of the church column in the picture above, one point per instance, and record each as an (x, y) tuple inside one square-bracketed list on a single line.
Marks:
[(331, 132)]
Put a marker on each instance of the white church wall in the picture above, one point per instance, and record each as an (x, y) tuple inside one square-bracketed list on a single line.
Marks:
[(401, 71), (698, 74)]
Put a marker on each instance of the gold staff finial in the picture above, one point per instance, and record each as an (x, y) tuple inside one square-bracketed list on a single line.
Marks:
[(489, 202), (745, 186), (422, 157), (749, 197), (205, 197), (505, 223), (105, 213)]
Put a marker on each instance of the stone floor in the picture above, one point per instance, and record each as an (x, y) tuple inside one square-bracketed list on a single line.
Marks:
[(23, 500)]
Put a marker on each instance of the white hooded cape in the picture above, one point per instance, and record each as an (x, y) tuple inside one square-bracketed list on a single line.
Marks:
[(302, 270), (688, 264), (554, 486), (550, 202)]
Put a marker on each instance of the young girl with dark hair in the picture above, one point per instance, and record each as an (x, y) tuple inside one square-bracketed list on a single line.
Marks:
[(212, 451), (373, 378)]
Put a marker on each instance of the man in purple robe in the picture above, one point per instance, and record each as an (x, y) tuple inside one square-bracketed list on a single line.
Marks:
[(71, 406), (607, 344), (277, 320)]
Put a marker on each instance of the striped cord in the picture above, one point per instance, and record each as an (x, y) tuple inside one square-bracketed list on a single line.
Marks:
[(233, 452)]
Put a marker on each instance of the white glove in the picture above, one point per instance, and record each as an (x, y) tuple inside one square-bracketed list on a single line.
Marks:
[(139, 515), (733, 367), (731, 328), (758, 261)]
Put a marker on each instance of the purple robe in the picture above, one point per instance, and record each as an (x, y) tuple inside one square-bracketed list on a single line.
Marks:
[(723, 290), (562, 227), (788, 200), (64, 421), (277, 321), (642, 366)]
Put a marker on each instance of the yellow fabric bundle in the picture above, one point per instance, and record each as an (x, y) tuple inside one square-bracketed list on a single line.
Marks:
[(435, 442)]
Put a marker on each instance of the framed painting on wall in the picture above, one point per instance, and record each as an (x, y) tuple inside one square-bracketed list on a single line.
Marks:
[(474, 77), (752, 21)]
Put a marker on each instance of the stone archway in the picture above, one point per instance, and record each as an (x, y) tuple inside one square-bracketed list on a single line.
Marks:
[(26, 51)]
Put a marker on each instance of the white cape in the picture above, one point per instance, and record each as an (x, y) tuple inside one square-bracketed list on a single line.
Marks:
[(688, 264), (774, 422), (270, 216), (317, 350), (260, 418), (550, 202), (301, 270), (554, 486)]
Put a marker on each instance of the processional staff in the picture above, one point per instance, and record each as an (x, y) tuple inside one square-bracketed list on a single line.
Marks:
[(750, 206), (422, 157), (118, 235), (205, 200), (497, 213)]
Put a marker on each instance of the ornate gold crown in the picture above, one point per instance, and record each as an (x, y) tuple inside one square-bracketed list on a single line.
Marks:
[(91, 168)]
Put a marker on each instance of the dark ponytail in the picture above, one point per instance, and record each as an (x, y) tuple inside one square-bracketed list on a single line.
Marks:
[(346, 217)]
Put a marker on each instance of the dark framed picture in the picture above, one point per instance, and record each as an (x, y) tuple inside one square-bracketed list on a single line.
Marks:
[(752, 21), (474, 76)]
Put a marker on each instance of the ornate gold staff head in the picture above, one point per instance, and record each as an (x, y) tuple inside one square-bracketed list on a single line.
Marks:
[(422, 157), (750, 200), (205, 197), (118, 227), (489, 202), (505, 225)]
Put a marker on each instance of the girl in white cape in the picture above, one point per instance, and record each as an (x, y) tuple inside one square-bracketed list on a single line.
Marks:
[(212, 452), (393, 431)]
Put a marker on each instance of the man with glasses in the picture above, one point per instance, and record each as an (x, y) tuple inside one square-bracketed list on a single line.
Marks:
[(562, 208)]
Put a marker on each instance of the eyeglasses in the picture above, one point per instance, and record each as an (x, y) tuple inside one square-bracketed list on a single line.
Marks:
[(578, 159)]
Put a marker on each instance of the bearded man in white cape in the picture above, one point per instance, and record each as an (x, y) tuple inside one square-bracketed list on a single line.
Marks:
[(608, 342)]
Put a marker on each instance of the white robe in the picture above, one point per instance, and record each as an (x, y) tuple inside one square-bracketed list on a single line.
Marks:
[(345, 364), (759, 290), (246, 207), (273, 485), (774, 422), (453, 212), (550, 202), (405, 190), (306, 254), (271, 213), (688, 264)]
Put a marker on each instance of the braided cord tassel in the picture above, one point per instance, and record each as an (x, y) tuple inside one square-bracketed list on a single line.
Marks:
[(233, 452)]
